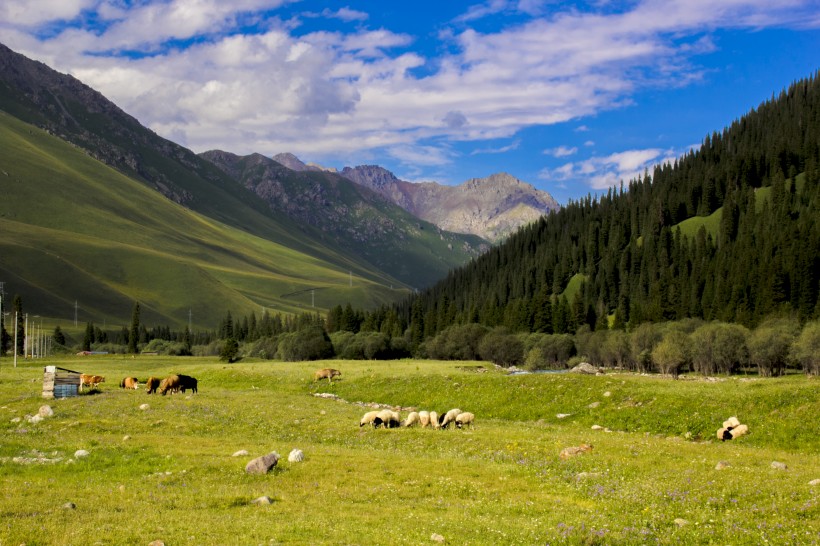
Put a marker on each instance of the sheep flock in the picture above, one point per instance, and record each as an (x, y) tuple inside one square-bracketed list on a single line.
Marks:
[(387, 418)]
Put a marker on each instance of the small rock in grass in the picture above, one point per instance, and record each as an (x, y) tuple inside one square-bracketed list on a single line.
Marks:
[(776, 465), (721, 465), (680, 522), (126, 437), (34, 419), (240, 453), (144, 407), (296, 456), (263, 464), (262, 500), (597, 427), (45, 411), (156, 543), (607, 394), (815, 482), (562, 415), (80, 453), (435, 537), (594, 405), (69, 506)]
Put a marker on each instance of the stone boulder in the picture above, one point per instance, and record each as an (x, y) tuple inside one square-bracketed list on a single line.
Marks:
[(263, 464), (585, 367)]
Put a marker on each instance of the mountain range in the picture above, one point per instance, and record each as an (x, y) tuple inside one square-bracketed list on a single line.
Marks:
[(278, 229)]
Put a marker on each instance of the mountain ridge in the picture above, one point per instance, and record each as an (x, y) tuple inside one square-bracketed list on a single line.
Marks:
[(492, 207)]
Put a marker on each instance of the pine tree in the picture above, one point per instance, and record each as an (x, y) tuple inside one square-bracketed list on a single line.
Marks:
[(134, 332)]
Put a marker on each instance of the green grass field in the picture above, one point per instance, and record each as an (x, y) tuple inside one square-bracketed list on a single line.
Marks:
[(167, 472)]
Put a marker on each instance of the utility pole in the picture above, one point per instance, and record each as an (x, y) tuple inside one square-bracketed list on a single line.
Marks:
[(189, 320), (15, 339), (75, 313)]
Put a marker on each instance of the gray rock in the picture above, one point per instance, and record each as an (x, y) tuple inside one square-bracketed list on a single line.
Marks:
[(594, 405), (144, 407), (435, 537), (597, 427), (240, 453), (69, 506), (721, 465), (296, 456), (80, 453), (46, 411), (263, 500), (776, 465), (585, 367), (156, 543), (263, 464), (680, 522), (815, 482), (34, 419)]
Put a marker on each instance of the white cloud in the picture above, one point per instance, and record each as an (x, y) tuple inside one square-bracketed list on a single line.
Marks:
[(503, 149), (603, 172), (333, 93), (344, 14), (561, 151)]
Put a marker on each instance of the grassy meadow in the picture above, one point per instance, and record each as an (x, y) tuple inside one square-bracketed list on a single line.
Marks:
[(167, 472)]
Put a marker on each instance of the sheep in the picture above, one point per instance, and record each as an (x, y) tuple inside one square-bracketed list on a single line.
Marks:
[(412, 419), (434, 419), (739, 430), (367, 418), (731, 423), (424, 419), (387, 418), (448, 417), (465, 419), (724, 433)]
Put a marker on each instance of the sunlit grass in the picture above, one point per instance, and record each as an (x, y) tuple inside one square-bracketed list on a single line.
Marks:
[(167, 472)]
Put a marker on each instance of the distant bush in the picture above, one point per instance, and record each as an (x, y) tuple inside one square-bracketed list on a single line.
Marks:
[(211, 349), (310, 343), (265, 348), (112, 348), (163, 347), (458, 342), (502, 348)]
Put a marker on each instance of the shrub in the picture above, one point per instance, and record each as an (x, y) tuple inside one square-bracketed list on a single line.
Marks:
[(769, 346), (672, 353), (310, 343), (806, 348), (501, 348), (719, 347), (458, 342)]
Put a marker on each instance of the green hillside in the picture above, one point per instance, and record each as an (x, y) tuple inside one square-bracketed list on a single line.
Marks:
[(74, 229), (354, 219)]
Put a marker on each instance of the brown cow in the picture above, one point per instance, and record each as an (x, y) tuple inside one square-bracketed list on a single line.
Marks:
[(152, 385), (92, 381), (130, 383), (170, 383), (326, 373)]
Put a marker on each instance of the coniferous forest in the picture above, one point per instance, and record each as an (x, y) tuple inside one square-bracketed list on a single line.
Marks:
[(755, 254)]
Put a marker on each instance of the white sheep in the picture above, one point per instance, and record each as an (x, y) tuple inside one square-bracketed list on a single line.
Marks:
[(424, 419), (739, 430), (448, 417), (434, 419), (387, 418), (465, 419), (412, 419), (731, 422), (368, 418)]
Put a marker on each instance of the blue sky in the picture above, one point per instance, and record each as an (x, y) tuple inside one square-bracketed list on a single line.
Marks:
[(571, 97)]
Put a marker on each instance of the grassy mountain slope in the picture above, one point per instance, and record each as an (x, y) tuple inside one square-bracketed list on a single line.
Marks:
[(354, 218), (64, 106), (74, 229)]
